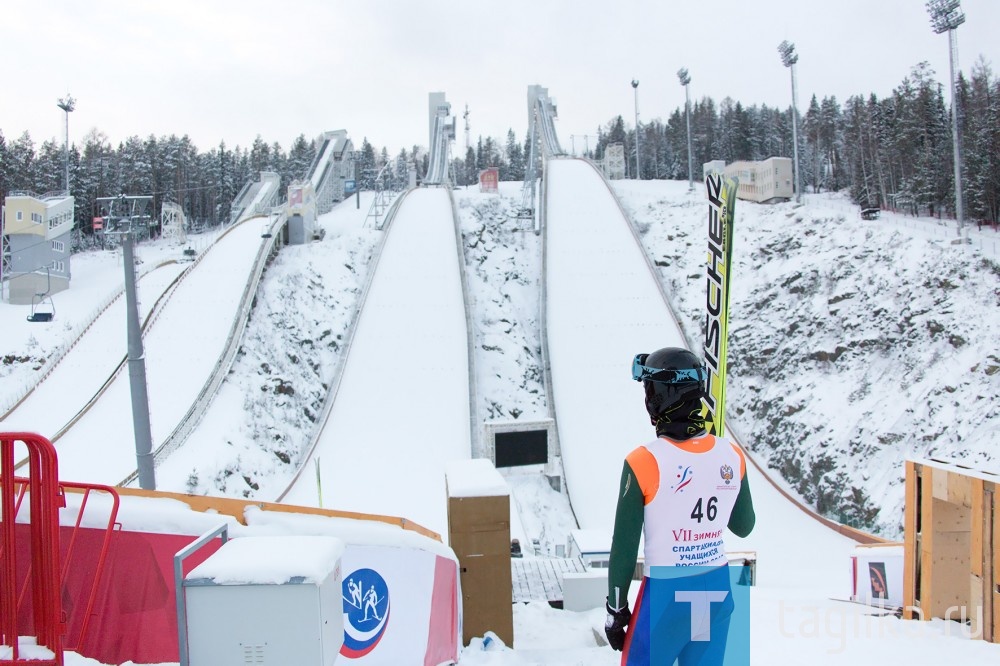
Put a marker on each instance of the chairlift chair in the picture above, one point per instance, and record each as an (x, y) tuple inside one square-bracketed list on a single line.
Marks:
[(42, 308)]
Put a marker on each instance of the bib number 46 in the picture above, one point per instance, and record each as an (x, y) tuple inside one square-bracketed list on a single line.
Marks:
[(711, 509)]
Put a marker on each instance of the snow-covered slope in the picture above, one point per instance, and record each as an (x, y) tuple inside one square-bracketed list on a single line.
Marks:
[(853, 344)]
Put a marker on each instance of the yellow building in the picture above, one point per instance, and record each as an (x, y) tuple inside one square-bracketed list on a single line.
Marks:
[(36, 232)]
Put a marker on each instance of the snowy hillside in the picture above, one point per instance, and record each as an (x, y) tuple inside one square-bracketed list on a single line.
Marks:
[(853, 344), (250, 441)]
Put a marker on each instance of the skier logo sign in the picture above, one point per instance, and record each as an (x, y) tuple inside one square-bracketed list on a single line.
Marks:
[(721, 210), (366, 612)]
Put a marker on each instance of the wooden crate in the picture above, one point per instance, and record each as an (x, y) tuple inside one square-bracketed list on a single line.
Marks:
[(952, 545)]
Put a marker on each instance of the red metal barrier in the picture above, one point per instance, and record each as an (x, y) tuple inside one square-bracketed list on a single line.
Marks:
[(43, 581), (69, 551)]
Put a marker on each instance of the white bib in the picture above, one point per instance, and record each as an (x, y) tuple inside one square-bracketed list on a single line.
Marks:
[(699, 481)]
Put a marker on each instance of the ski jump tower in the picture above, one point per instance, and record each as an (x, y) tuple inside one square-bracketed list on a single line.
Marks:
[(442, 133), (543, 143), (331, 168)]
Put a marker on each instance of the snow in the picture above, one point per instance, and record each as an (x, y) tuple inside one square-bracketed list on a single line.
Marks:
[(269, 560), (474, 478), (402, 405), (254, 435)]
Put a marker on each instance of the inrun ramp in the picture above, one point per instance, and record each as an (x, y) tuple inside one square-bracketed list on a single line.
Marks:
[(402, 407), (604, 306)]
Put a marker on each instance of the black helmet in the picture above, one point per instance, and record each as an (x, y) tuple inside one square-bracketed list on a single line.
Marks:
[(670, 376)]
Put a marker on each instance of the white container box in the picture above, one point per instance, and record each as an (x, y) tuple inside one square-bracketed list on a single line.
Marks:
[(266, 600)]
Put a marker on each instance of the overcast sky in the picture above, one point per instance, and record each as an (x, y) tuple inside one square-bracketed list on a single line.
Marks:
[(230, 70)]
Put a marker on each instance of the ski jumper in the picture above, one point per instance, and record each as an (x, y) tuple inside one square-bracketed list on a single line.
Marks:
[(682, 495)]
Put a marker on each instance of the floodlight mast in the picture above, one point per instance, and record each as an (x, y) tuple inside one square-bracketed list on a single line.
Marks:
[(67, 104), (946, 16), (635, 87), (685, 79), (788, 58)]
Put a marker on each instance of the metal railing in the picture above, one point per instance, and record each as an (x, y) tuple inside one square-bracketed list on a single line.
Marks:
[(220, 370), (183, 554), (468, 301)]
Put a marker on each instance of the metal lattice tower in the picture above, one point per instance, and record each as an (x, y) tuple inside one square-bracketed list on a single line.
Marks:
[(173, 222)]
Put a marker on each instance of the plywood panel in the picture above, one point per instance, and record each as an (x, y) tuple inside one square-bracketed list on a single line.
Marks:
[(960, 489), (950, 565), (938, 479), (976, 601)]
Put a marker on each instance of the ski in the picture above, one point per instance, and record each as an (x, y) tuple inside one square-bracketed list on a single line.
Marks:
[(721, 213)]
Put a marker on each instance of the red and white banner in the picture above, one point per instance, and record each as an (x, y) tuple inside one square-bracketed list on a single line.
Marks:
[(400, 601)]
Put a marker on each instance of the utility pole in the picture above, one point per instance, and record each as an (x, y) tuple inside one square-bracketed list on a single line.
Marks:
[(788, 58), (67, 104), (465, 117), (635, 87), (124, 225), (685, 79), (946, 16)]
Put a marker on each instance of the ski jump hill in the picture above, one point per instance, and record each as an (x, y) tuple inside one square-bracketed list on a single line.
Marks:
[(400, 409)]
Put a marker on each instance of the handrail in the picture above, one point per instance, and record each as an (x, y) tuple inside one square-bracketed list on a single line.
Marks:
[(468, 301), (220, 371), (183, 554), (45, 498)]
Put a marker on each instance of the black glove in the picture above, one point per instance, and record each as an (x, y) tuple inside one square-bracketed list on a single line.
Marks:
[(614, 625)]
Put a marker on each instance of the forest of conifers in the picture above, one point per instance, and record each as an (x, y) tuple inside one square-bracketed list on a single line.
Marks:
[(893, 152)]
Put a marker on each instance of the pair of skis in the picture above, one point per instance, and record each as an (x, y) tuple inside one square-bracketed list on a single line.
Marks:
[(721, 192)]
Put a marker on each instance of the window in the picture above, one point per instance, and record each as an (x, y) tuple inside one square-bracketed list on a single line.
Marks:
[(58, 246), (20, 215), (58, 266)]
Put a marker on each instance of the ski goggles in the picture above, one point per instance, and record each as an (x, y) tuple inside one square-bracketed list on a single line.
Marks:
[(641, 372)]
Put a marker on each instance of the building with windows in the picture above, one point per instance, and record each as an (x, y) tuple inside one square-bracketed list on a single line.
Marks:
[(36, 241), (301, 212), (768, 181)]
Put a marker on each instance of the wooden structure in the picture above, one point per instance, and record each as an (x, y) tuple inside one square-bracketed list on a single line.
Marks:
[(541, 578), (952, 545), (479, 533)]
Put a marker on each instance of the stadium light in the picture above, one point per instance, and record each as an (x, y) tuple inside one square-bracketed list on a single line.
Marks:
[(635, 87), (788, 58), (67, 104), (946, 16), (685, 79)]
